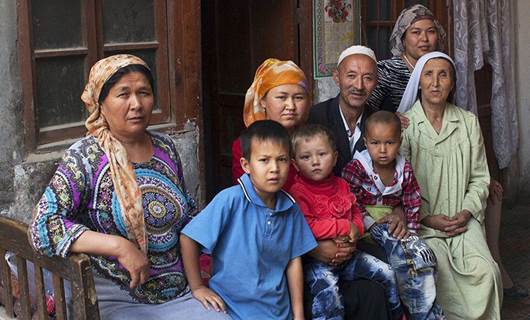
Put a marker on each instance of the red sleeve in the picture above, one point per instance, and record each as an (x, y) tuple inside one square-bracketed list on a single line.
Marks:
[(357, 217), (411, 198), (237, 171), (322, 228)]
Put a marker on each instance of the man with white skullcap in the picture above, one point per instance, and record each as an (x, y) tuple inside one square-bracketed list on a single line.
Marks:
[(344, 115), (356, 76)]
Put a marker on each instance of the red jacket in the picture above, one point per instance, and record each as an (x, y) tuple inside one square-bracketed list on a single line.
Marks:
[(328, 206)]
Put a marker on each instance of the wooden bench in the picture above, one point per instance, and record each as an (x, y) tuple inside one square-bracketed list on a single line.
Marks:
[(76, 269)]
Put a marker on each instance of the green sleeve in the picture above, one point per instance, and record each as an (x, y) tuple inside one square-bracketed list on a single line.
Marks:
[(479, 178)]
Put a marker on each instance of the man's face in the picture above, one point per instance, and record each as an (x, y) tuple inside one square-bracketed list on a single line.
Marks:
[(356, 77)]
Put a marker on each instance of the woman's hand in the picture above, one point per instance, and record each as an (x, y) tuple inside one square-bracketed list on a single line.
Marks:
[(451, 226), (496, 192), (404, 120), (397, 225), (134, 260), (127, 253), (209, 298), (460, 223)]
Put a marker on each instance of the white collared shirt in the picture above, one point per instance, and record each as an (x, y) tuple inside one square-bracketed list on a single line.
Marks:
[(353, 137)]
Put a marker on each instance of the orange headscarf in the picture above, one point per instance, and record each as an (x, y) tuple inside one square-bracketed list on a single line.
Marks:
[(121, 171), (271, 73)]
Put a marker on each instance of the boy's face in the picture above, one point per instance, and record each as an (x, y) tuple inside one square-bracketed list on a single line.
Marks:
[(314, 158), (267, 167), (382, 141)]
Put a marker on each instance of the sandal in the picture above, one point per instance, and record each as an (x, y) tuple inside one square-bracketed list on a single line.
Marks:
[(516, 291)]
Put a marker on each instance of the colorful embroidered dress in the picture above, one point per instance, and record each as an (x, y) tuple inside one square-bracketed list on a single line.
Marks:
[(80, 197)]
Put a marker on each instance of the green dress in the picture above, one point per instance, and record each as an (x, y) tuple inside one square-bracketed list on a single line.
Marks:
[(452, 172)]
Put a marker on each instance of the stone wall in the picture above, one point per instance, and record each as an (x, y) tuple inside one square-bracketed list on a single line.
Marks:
[(10, 101)]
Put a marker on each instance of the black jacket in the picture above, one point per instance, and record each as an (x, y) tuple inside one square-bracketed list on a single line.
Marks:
[(327, 113)]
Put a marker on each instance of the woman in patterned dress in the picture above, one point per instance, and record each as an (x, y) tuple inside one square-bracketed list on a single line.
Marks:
[(119, 196)]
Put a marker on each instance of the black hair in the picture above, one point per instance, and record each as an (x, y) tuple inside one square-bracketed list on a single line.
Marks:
[(119, 74), (264, 130), (312, 130), (384, 117)]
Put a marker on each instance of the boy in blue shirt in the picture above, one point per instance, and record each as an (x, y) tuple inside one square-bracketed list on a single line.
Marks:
[(256, 235)]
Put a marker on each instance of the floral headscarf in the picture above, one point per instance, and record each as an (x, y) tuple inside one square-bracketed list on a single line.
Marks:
[(406, 18), (121, 170), (271, 73)]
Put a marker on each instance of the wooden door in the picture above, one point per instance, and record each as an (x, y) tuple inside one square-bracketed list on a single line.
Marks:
[(237, 37)]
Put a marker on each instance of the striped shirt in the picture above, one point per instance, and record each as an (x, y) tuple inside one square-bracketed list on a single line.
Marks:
[(393, 76)]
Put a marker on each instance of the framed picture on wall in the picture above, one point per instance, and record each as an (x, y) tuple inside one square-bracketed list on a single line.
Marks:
[(336, 26)]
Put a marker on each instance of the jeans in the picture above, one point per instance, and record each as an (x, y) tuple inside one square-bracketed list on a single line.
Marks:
[(323, 280), (413, 263)]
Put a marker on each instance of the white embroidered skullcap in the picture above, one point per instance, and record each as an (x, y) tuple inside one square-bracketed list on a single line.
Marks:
[(411, 91), (357, 50)]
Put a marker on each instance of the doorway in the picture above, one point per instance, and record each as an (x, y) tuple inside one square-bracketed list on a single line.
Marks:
[(237, 36)]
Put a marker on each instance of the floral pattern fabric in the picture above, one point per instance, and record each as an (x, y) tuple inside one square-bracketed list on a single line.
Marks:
[(328, 206), (81, 196)]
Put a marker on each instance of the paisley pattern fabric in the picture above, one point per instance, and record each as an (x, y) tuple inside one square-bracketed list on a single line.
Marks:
[(81, 196)]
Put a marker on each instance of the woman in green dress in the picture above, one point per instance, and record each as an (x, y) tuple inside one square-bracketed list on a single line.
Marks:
[(445, 147)]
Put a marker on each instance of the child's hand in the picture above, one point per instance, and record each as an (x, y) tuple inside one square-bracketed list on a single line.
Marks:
[(396, 225), (209, 298)]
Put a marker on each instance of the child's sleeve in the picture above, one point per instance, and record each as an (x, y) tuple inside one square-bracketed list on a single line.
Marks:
[(353, 174), (303, 240), (207, 226), (322, 228), (411, 198)]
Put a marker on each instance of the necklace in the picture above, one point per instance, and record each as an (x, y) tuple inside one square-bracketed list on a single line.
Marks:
[(408, 62)]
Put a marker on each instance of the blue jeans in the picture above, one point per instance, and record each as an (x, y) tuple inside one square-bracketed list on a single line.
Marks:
[(323, 283), (414, 264)]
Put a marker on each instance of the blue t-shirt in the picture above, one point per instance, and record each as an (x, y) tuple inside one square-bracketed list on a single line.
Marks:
[(251, 246)]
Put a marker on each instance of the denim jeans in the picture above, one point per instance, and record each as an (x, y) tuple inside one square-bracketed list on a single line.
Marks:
[(414, 264), (323, 283)]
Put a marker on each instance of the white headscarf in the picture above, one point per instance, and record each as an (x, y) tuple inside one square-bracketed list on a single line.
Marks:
[(411, 92)]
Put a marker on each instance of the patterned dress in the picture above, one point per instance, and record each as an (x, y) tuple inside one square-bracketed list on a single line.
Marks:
[(80, 197)]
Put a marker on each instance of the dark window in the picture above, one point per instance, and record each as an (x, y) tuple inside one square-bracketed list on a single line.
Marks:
[(61, 39)]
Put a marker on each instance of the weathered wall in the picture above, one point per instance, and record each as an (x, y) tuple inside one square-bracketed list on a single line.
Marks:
[(10, 117), (24, 176), (522, 80)]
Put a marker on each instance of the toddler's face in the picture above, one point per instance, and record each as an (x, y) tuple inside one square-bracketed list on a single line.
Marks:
[(382, 141), (268, 166), (315, 158)]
